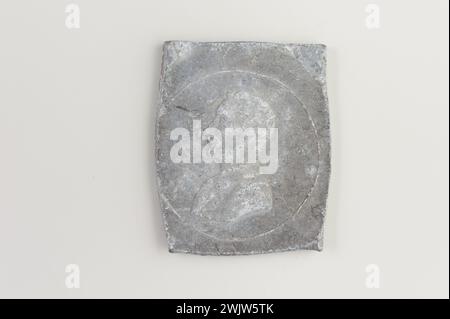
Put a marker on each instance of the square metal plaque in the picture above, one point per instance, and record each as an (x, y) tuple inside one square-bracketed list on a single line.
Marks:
[(243, 146)]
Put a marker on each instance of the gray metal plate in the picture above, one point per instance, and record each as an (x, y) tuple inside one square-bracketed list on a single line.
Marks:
[(231, 208)]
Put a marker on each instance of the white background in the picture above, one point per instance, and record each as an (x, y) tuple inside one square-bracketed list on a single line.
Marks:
[(77, 169)]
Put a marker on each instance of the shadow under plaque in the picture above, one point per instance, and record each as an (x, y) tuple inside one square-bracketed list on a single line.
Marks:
[(243, 146)]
